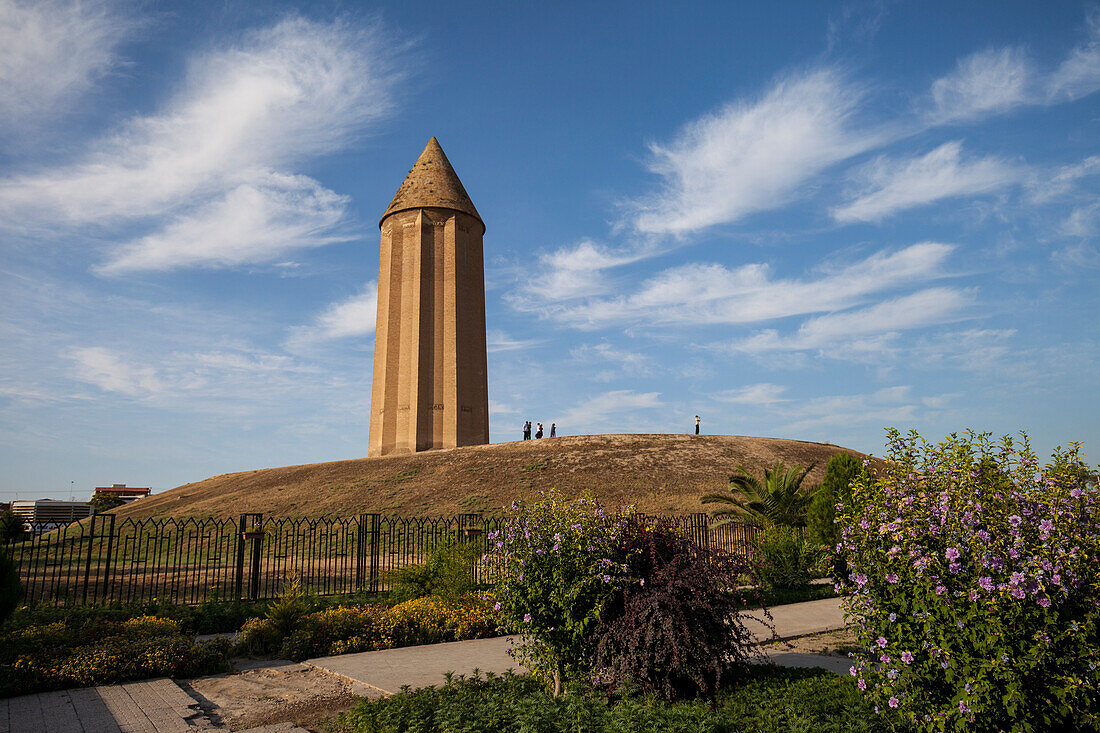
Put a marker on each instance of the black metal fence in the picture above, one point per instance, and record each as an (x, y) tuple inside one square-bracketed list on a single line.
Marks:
[(103, 559)]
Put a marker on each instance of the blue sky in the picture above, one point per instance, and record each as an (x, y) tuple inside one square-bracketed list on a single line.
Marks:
[(803, 220)]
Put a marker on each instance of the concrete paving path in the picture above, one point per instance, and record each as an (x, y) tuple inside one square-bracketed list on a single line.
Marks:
[(419, 666), (149, 706)]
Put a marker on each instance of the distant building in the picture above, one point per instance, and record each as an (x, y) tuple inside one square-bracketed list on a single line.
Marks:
[(50, 511), (122, 491)]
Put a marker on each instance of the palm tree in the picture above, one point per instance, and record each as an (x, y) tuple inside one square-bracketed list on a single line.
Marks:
[(779, 500)]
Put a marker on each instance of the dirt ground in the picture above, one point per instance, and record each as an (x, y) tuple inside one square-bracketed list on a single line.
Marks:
[(831, 642), (274, 692), (658, 474)]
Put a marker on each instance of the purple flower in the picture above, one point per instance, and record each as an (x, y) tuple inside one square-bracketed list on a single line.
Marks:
[(962, 707), (862, 684), (940, 590), (852, 670), (907, 657), (526, 618), (893, 616), (1015, 520), (881, 641), (891, 578), (952, 553), (1044, 601), (496, 607), (892, 702), (986, 583), (1046, 525)]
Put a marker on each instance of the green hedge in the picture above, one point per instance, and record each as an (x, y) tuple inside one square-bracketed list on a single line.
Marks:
[(773, 699)]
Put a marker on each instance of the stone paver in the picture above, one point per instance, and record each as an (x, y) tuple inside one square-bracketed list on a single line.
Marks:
[(149, 706)]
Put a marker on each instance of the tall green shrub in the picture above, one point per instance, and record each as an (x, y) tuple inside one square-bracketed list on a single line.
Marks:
[(836, 488), (783, 558), (975, 576), (448, 573)]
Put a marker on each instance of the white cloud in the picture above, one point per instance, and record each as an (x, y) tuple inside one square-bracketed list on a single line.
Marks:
[(1063, 181), (1079, 74), (751, 155), (763, 393), (112, 372), (601, 409), (995, 81), (700, 293), (1083, 221), (496, 341), (349, 318), (888, 406), (286, 93), (928, 307), (254, 222), (891, 185), (1080, 256), (983, 83), (578, 271), (51, 52)]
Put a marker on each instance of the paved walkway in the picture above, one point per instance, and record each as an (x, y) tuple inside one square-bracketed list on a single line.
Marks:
[(419, 666), (149, 706)]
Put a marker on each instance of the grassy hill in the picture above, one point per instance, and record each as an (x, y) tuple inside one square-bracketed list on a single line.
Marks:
[(658, 474)]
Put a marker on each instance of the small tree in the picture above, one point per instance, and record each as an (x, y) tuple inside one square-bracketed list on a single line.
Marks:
[(105, 502), (779, 500), (836, 488)]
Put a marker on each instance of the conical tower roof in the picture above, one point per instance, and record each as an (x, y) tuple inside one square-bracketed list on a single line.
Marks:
[(432, 182)]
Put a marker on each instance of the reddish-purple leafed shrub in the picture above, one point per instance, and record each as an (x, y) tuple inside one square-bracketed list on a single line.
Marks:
[(675, 631)]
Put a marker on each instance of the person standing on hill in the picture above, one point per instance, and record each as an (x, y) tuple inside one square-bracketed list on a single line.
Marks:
[(553, 429), (527, 430), (696, 424), (538, 433)]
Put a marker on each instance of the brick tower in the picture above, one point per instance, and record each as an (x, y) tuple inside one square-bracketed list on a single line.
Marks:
[(430, 389)]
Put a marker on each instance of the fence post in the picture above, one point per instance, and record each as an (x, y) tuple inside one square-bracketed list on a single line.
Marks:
[(107, 559), (375, 540), (88, 562), (699, 530), (240, 556), (361, 553), (256, 536)]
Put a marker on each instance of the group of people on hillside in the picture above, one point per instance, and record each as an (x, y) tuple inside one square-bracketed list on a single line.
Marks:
[(538, 433)]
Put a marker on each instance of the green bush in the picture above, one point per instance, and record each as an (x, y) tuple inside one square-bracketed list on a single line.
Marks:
[(773, 699), (836, 488), (11, 527), (447, 573), (783, 558), (56, 655), (975, 574), (11, 590)]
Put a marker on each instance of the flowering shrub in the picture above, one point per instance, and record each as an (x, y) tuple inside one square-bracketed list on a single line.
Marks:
[(975, 576), (365, 628), (615, 600), (55, 656), (557, 564), (676, 631)]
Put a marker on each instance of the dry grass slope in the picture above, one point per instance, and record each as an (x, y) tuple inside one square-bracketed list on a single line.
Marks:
[(656, 473)]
